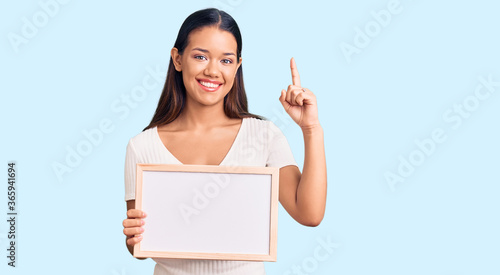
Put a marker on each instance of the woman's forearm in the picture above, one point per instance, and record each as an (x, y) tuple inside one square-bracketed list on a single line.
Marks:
[(311, 191)]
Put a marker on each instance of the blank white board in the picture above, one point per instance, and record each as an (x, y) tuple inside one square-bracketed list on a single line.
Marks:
[(208, 212)]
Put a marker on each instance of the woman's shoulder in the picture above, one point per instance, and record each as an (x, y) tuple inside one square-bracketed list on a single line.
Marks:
[(262, 129), (144, 138), (256, 122), (261, 124)]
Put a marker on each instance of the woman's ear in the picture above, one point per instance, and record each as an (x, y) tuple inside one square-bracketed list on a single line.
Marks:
[(239, 64), (176, 58)]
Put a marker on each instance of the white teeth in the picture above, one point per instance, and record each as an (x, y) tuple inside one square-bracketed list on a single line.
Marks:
[(208, 84)]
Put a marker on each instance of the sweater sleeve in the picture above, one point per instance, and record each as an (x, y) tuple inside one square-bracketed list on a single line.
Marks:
[(280, 154), (130, 171)]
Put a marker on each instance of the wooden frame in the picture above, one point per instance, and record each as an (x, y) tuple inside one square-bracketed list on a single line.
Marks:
[(223, 212)]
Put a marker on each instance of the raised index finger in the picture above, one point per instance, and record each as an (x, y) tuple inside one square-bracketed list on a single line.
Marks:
[(295, 72)]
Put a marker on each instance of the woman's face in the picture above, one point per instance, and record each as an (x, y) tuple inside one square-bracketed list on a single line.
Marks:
[(208, 65)]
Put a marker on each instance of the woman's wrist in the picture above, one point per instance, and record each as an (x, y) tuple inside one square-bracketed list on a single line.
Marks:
[(312, 129)]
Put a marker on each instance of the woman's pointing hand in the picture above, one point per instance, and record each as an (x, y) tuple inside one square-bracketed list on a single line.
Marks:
[(300, 103)]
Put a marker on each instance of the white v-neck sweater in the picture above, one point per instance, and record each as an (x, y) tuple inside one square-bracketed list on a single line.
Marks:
[(258, 143)]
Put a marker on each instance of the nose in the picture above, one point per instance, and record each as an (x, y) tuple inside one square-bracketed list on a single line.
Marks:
[(212, 69)]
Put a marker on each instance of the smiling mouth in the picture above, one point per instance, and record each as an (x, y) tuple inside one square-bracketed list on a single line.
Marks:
[(208, 84)]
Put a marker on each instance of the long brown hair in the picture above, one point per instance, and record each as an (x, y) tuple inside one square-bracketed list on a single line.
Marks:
[(173, 97)]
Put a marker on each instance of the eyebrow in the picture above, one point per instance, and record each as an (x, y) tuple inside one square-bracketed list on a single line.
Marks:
[(206, 51)]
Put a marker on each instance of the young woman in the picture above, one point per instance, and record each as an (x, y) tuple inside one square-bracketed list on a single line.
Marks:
[(202, 118)]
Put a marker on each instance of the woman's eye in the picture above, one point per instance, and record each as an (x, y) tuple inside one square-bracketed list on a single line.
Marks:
[(201, 57), (227, 61)]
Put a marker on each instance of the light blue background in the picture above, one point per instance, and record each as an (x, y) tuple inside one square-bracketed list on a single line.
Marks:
[(443, 219)]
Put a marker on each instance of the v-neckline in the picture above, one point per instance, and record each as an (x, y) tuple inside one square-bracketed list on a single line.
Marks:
[(155, 129)]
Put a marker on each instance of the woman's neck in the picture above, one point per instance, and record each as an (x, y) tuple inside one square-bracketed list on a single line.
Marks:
[(201, 117)]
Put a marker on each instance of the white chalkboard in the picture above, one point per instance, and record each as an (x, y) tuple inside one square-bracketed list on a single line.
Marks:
[(208, 212)]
